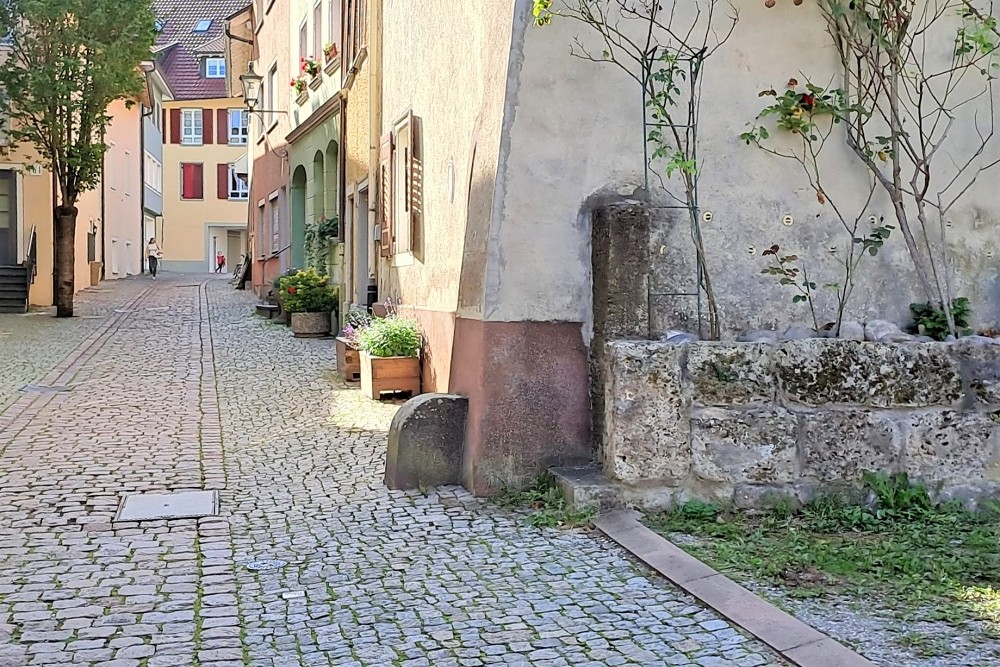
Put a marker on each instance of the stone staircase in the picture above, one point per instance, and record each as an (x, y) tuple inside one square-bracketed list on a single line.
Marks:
[(13, 289)]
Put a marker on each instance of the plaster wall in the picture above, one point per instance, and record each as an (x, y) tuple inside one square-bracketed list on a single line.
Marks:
[(123, 185), (575, 138)]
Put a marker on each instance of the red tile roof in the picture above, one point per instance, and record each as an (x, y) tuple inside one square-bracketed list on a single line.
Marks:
[(182, 63)]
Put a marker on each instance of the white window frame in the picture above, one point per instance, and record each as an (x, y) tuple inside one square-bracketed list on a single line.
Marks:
[(216, 64), (153, 176), (272, 86), (192, 132), (239, 190), (240, 131), (401, 188)]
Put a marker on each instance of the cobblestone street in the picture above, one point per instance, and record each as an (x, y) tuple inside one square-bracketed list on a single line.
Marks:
[(176, 385)]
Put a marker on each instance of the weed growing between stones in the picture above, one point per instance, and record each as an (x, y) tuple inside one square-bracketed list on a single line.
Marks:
[(546, 505), (936, 561)]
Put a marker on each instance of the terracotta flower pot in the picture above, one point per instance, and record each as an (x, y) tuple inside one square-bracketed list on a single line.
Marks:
[(310, 325)]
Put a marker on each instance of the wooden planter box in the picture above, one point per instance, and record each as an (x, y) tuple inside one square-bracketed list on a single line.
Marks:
[(310, 325), (348, 361), (389, 374)]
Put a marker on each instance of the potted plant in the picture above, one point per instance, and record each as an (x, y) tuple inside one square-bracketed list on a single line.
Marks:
[(348, 357), (311, 66), (330, 51), (390, 356), (309, 299), (301, 86)]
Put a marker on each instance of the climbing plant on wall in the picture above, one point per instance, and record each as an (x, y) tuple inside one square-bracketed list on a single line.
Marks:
[(663, 46), (913, 74)]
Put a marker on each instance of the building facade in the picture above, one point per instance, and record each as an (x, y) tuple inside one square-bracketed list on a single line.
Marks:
[(152, 151), (122, 194), (205, 133)]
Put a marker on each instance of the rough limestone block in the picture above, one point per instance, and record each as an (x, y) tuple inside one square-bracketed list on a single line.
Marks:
[(981, 368), (841, 446), (647, 413), (725, 374), (744, 446), (426, 441), (953, 447), (822, 372)]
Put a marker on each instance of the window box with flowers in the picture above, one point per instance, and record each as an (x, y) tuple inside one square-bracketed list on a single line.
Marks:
[(311, 69), (301, 88), (347, 343), (331, 54)]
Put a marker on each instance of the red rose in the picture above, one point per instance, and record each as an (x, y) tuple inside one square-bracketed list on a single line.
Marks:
[(291, 290)]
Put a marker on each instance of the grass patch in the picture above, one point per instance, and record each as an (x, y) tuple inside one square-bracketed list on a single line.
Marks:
[(546, 504), (936, 561)]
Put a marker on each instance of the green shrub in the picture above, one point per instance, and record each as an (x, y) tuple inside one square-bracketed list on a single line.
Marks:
[(390, 337), (308, 292), (929, 319)]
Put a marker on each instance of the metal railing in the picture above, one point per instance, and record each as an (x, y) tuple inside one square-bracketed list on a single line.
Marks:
[(31, 257)]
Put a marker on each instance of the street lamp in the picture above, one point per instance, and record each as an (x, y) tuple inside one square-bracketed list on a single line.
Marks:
[(251, 86)]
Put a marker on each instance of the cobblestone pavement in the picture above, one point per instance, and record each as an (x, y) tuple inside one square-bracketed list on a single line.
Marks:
[(188, 390)]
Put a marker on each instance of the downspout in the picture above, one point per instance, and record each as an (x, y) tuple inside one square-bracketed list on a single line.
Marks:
[(142, 184), (374, 124), (55, 269), (104, 250)]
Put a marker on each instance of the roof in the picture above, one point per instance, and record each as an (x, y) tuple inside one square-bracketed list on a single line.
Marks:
[(181, 64)]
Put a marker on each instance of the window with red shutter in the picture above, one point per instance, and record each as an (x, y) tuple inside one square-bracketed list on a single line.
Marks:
[(206, 115), (222, 182), (175, 126), (191, 181), (222, 126)]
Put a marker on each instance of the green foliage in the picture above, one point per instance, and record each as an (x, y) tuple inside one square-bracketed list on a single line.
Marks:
[(317, 241), (542, 11), (68, 60), (783, 267), (308, 292), (391, 336), (546, 504), (901, 547), (276, 283), (930, 320), (798, 111)]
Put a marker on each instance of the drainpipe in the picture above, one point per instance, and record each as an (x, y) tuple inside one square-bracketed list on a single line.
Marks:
[(104, 185), (142, 187), (375, 123)]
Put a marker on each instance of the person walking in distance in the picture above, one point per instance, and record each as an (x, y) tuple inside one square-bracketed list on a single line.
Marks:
[(220, 262), (153, 254)]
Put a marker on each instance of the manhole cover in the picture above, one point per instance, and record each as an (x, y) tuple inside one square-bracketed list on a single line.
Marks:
[(178, 505), (263, 565), (45, 389)]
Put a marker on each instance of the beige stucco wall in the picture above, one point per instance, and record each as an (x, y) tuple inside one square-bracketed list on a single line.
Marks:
[(575, 133), (185, 222), (123, 192)]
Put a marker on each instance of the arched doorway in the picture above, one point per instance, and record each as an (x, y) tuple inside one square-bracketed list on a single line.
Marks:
[(297, 213)]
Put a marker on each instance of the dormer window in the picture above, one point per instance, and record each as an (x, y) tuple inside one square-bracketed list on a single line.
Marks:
[(159, 25), (215, 68), (203, 25)]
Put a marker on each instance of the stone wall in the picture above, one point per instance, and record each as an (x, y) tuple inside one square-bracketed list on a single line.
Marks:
[(750, 421)]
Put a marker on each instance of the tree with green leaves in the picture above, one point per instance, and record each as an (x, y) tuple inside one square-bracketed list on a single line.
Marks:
[(66, 62)]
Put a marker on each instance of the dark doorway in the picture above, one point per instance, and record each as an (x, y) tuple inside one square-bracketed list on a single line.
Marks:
[(8, 218)]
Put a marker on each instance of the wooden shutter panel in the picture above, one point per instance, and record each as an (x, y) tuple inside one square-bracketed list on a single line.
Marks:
[(199, 181), (175, 126), (222, 188), (163, 126), (222, 126), (415, 179), (385, 194), (206, 126)]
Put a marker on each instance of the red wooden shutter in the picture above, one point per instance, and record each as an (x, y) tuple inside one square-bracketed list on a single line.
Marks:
[(199, 182), (175, 126), (187, 181), (206, 126), (222, 124), (222, 189), (385, 194), (163, 126)]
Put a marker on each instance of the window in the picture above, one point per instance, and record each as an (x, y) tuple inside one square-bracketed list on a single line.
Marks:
[(356, 36), (159, 25), (191, 128), (126, 177), (333, 15), (153, 173), (215, 68), (303, 45), (275, 225), (238, 188), (262, 229), (317, 50), (203, 25), (272, 85), (237, 126), (400, 189), (192, 186)]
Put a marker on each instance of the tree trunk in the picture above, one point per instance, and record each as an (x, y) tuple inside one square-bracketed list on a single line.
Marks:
[(65, 259)]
